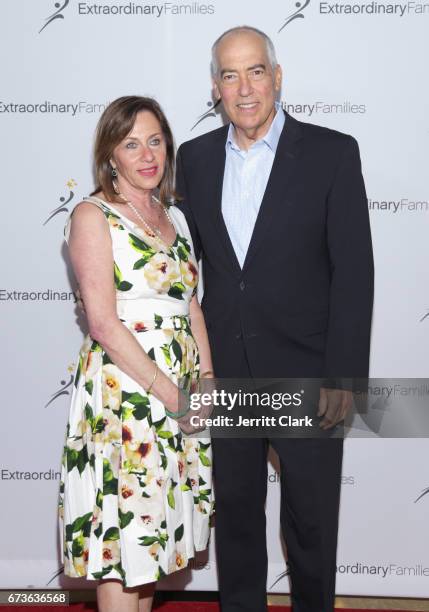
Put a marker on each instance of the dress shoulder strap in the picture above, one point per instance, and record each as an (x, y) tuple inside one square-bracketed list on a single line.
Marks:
[(92, 200)]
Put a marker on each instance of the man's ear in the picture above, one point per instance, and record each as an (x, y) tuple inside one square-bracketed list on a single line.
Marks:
[(278, 75), (216, 91)]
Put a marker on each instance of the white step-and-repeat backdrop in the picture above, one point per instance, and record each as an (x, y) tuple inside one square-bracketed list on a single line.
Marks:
[(358, 66)]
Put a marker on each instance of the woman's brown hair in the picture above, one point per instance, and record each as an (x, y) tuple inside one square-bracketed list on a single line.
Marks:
[(114, 125)]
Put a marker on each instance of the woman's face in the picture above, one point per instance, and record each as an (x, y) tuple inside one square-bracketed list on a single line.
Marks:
[(140, 158)]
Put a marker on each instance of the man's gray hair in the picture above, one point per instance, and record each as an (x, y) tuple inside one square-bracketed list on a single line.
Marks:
[(271, 52)]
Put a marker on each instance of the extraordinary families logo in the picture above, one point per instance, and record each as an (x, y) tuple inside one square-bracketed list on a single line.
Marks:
[(358, 8), (212, 112), (309, 108), (192, 8), (65, 386), (64, 201), (47, 107), (57, 14), (297, 14), (157, 10), (403, 205), (373, 8)]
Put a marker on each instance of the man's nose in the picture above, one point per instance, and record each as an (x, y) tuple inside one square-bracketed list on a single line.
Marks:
[(245, 86)]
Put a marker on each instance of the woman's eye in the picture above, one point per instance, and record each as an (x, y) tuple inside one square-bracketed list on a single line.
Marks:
[(131, 145), (155, 142)]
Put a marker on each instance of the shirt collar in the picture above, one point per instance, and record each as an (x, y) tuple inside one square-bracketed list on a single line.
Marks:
[(271, 138)]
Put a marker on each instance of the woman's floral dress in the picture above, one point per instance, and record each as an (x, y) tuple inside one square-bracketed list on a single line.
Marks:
[(136, 495)]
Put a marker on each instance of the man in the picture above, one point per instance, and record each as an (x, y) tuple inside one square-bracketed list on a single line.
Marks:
[(279, 216)]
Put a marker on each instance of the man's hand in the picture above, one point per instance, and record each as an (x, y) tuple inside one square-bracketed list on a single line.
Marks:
[(333, 406)]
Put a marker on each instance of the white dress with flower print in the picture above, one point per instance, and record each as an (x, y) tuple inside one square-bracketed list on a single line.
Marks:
[(136, 496)]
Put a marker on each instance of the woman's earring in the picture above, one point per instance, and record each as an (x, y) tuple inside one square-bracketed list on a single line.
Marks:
[(114, 172)]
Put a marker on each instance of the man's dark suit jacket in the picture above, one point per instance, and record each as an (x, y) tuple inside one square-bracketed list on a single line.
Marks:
[(302, 303)]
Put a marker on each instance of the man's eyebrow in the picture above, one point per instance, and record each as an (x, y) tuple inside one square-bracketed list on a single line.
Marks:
[(257, 66), (225, 70)]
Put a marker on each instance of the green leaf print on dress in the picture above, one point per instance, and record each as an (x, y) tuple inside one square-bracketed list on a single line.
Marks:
[(177, 290), (178, 534), (110, 483), (125, 518), (121, 285), (134, 405)]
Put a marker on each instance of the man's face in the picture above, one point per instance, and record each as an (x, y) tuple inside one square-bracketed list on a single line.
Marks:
[(246, 83)]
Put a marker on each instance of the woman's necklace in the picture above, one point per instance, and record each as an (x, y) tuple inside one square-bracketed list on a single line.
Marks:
[(153, 231)]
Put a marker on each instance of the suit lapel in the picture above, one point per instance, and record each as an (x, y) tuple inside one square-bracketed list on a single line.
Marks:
[(280, 179), (217, 161)]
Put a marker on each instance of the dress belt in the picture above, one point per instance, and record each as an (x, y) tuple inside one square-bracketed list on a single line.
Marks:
[(174, 322)]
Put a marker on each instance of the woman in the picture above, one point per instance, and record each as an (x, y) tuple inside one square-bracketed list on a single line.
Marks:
[(136, 495)]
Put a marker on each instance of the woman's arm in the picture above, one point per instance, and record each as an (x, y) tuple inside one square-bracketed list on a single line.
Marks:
[(92, 259), (199, 332)]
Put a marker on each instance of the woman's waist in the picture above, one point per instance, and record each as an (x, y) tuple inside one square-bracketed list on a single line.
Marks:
[(175, 322), (140, 325), (150, 309)]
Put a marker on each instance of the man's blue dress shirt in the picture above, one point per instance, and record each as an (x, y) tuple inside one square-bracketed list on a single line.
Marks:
[(245, 179)]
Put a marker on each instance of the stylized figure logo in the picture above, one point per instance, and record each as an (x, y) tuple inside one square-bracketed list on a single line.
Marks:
[(296, 15), (64, 202), (282, 575), (422, 494), (57, 573), (56, 15), (63, 390), (210, 113)]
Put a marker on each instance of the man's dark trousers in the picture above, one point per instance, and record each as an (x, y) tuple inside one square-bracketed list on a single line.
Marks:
[(310, 490)]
